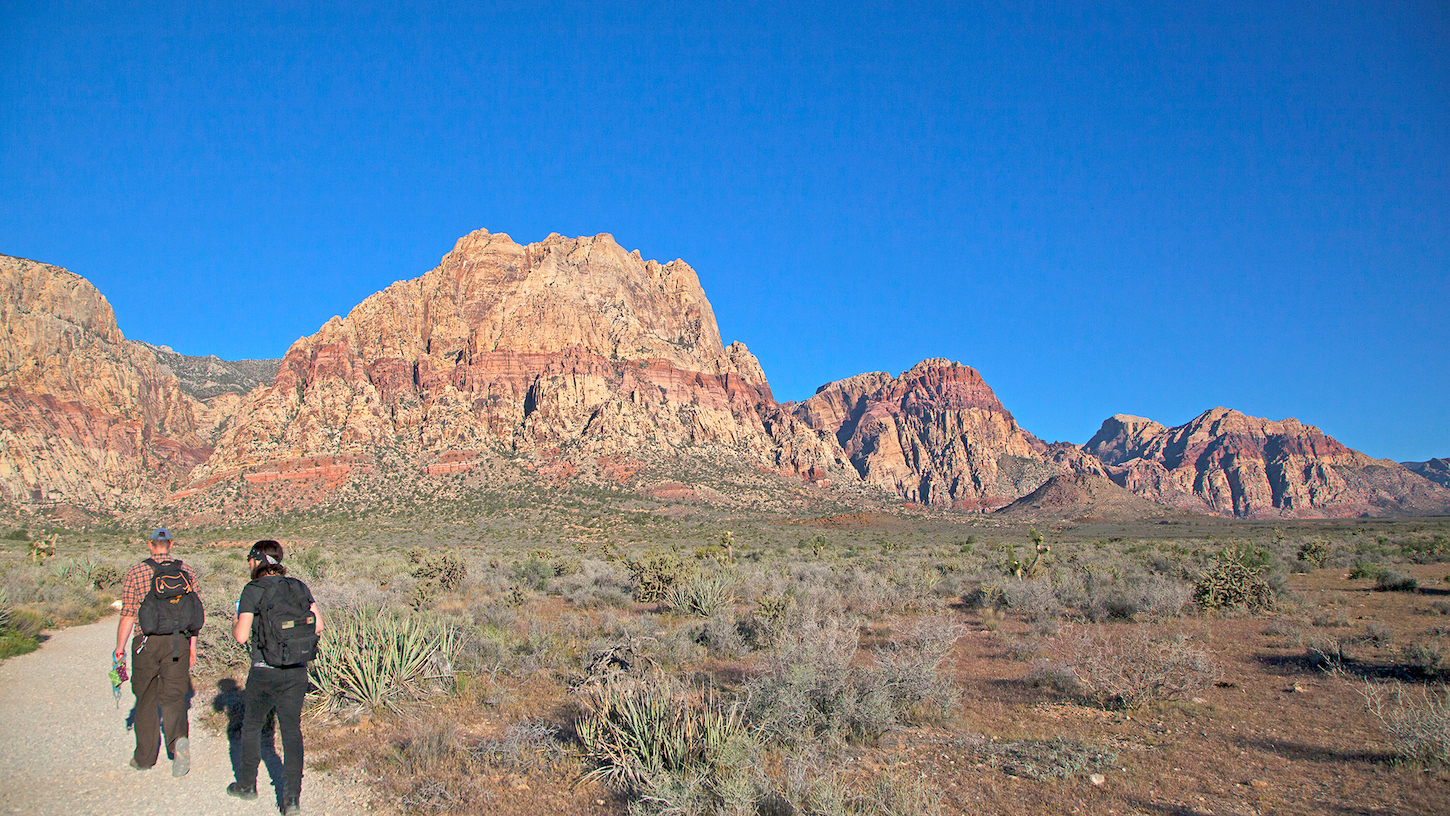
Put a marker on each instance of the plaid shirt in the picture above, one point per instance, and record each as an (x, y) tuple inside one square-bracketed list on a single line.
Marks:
[(138, 582)]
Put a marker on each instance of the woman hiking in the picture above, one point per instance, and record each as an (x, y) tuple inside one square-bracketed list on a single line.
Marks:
[(279, 620)]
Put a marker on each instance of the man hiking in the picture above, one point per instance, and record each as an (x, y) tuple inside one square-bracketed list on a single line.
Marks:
[(160, 607), (278, 618)]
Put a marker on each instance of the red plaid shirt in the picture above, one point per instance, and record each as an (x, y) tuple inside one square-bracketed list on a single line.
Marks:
[(138, 582)]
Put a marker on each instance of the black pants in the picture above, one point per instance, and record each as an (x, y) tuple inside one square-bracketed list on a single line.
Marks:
[(281, 690), (158, 681)]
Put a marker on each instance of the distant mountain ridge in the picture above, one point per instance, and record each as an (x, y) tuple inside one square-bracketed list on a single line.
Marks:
[(206, 377), (574, 359)]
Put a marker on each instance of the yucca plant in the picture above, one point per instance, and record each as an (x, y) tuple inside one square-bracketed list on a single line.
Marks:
[(703, 596), (634, 731), (371, 659), (5, 613)]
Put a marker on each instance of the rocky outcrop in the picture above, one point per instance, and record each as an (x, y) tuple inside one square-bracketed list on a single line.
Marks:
[(1226, 463), (567, 347), (1436, 470), (936, 435), (87, 418)]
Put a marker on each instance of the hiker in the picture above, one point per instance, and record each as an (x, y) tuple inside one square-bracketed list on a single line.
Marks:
[(278, 618), (160, 607)]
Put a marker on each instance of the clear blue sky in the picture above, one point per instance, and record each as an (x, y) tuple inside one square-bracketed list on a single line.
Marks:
[(1151, 209)]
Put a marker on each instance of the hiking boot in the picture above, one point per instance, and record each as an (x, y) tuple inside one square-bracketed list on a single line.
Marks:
[(290, 807), (181, 757), (138, 766), (247, 792)]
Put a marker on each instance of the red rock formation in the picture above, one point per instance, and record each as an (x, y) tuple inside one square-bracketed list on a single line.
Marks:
[(87, 418), (936, 435), (1227, 463), (571, 343)]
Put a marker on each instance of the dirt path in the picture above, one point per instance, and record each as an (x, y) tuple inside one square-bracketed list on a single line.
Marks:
[(64, 746)]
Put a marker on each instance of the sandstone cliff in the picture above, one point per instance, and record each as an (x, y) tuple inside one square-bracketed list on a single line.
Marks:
[(936, 435), (87, 418), (571, 348), (1227, 463)]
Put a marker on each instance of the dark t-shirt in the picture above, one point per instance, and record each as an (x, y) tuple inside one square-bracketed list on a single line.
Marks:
[(251, 597)]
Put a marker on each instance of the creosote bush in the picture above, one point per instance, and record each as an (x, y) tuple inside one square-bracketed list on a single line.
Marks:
[(655, 573)]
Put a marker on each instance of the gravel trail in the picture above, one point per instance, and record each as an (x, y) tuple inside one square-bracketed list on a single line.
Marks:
[(64, 746)]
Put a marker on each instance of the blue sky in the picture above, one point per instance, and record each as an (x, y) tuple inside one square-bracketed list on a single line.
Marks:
[(1154, 208)]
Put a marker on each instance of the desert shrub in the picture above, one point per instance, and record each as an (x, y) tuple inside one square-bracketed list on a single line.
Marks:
[(1329, 653), (17, 535), (722, 635), (427, 769), (525, 746), (635, 731), (1035, 599), (1364, 569), (809, 691), (217, 652), (1425, 659), (1102, 594), (1235, 581), (370, 659), (105, 576), (1127, 670), (655, 573), (910, 671), (1053, 758), (705, 595), (1417, 723), (17, 630), (533, 573), (312, 563), (1391, 581)]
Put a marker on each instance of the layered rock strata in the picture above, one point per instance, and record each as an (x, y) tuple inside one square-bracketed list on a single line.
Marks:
[(1227, 463), (936, 435), (568, 346), (87, 418)]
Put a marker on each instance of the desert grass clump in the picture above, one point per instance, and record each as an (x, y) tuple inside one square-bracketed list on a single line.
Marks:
[(371, 659), (1391, 581), (1417, 723), (427, 769), (1128, 670), (1052, 758)]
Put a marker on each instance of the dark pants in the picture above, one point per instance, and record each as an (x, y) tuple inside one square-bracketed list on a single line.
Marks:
[(281, 690), (159, 681)]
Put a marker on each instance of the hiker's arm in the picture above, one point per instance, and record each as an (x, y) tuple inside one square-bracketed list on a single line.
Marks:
[(123, 632), (317, 619), (193, 651), (242, 629)]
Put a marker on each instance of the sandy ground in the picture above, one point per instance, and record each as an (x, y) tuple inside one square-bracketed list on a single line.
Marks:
[(64, 745)]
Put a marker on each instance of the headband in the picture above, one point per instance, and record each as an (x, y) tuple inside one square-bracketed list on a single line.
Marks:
[(261, 556)]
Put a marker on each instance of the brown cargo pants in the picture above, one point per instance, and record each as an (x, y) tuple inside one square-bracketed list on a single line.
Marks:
[(162, 682)]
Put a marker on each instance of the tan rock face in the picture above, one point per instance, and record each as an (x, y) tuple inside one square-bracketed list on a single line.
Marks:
[(1227, 463), (86, 416), (935, 435), (564, 342)]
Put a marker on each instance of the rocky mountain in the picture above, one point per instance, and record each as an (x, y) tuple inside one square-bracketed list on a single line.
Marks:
[(566, 351), (1083, 496), (1226, 463), (87, 417), (205, 378), (1436, 470), (936, 435)]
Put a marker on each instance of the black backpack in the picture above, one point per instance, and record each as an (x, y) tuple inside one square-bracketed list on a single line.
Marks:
[(285, 627), (171, 605)]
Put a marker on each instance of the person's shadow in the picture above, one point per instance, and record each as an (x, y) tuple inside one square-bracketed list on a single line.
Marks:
[(230, 700)]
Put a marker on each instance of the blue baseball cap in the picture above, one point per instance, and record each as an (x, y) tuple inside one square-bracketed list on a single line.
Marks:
[(162, 534)]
